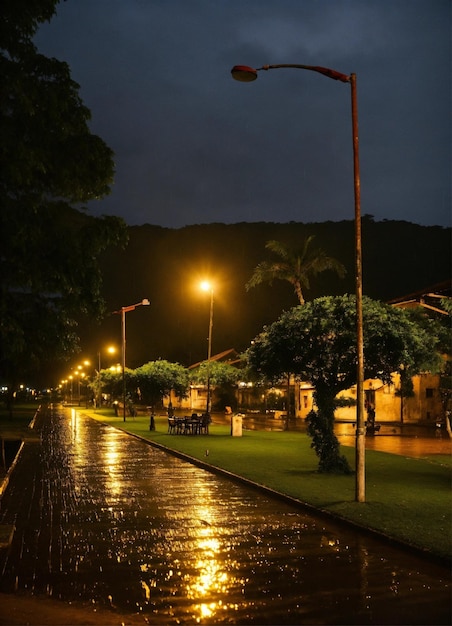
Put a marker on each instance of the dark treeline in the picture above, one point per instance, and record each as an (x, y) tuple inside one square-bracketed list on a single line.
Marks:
[(166, 266)]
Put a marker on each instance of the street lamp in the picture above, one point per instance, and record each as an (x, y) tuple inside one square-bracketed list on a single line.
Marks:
[(64, 382), (110, 350), (80, 384), (71, 378), (206, 286), (77, 373), (122, 311), (247, 74)]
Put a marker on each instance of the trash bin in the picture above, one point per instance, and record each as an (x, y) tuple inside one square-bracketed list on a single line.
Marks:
[(236, 425)]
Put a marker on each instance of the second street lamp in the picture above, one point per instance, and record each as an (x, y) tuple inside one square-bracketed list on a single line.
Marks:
[(122, 311), (206, 286), (110, 350), (244, 73)]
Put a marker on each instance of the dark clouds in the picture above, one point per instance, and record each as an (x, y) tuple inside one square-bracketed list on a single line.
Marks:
[(194, 146)]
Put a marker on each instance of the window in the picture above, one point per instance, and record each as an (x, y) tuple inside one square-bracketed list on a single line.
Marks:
[(429, 392)]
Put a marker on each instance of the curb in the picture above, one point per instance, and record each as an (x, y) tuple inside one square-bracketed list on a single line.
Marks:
[(11, 468)]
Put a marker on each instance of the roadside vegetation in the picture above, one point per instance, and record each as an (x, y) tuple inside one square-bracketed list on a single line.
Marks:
[(52, 165), (316, 341)]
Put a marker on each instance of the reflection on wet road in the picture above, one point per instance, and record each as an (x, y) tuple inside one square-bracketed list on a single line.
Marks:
[(104, 518), (407, 440)]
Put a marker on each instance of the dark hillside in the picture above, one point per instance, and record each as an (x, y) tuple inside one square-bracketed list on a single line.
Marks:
[(166, 265)]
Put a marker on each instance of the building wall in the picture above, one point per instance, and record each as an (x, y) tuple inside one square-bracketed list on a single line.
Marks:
[(304, 399), (195, 401), (426, 406), (423, 407)]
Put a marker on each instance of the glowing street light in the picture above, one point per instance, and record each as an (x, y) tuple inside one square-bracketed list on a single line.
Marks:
[(206, 286), (63, 386), (122, 311), (110, 350), (77, 374), (71, 378), (244, 73), (80, 374)]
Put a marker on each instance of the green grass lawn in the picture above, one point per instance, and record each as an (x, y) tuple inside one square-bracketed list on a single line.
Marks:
[(407, 499)]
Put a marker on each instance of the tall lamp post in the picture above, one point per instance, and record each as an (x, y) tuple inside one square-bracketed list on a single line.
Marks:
[(110, 350), (71, 378), (206, 286), (122, 311), (247, 74)]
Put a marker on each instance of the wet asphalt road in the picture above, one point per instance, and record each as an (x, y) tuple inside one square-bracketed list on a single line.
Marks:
[(105, 519)]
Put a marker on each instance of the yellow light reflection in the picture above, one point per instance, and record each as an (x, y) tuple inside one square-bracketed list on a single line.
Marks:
[(207, 610), (211, 581), (73, 424), (112, 458)]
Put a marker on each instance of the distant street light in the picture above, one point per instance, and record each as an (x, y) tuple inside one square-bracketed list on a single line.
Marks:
[(122, 312), (206, 286), (110, 350), (78, 374), (247, 74), (71, 378), (63, 387), (80, 383)]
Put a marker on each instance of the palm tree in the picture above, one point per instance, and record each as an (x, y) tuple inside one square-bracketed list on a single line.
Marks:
[(296, 265)]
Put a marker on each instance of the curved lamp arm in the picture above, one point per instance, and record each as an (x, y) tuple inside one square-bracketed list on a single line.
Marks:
[(246, 74)]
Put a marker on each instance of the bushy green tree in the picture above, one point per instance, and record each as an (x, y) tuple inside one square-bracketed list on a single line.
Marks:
[(219, 373), (50, 164), (110, 382), (317, 342), (157, 379), (223, 378)]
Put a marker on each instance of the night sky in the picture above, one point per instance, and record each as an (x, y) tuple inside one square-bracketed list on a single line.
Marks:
[(193, 146)]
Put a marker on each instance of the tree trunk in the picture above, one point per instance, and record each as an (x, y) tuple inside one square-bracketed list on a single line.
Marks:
[(289, 408), (324, 441), (299, 292)]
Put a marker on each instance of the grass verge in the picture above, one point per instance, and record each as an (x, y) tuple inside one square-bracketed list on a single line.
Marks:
[(17, 426), (407, 499)]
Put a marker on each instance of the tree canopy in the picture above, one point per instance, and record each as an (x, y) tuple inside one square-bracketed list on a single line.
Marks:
[(295, 265), (157, 379), (317, 342), (50, 163), (220, 374)]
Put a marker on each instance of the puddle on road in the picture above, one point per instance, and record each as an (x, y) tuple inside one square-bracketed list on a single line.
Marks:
[(117, 523), (409, 440)]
